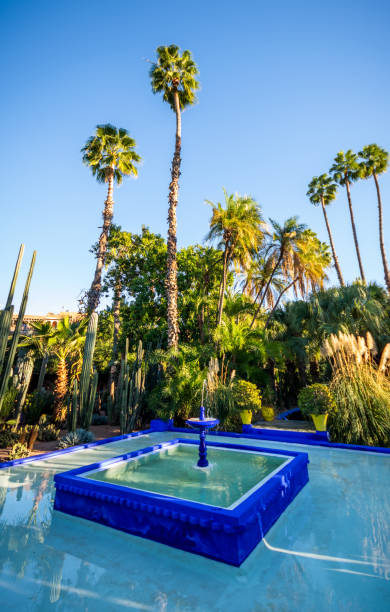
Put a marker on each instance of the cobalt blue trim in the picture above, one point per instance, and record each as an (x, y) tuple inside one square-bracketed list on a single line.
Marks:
[(227, 535), (283, 415)]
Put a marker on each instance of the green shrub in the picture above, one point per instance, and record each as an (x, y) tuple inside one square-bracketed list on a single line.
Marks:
[(7, 438), (36, 404), (316, 399), (48, 432), (18, 451), (73, 438), (98, 419), (247, 396), (363, 406), (8, 403)]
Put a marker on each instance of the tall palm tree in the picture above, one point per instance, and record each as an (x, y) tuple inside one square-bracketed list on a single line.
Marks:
[(239, 229), (306, 267), (110, 154), (322, 190), (375, 161), (346, 170), (283, 241), (174, 75)]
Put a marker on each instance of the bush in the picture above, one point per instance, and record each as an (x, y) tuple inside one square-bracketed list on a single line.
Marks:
[(7, 438), (98, 419), (8, 403), (18, 451), (363, 407), (247, 396), (316, 399), (48, 432), (73, 438), (36, 404)]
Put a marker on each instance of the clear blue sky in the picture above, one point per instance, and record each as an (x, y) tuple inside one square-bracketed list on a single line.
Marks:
[(285, 86)]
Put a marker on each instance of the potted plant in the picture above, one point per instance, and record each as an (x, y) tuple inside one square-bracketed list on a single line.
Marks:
[(317, 401), (247, 399), (268, 402)]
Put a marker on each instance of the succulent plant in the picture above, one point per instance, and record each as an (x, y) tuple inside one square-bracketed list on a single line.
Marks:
[(73, 438)]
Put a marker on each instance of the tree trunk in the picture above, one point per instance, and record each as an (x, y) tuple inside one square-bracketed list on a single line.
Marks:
[(171, 278), (42, 372), (278, 300), (335, 259), (266, 288), (354, 232), (116, 312), (381, 241), (60, 390), (94, 292), (222, 286)]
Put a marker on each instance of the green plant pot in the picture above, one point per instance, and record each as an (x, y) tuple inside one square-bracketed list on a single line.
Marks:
[(319, 421), (246, 417)]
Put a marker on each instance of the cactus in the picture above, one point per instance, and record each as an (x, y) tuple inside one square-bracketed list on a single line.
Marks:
[(137, 388), (80, 407), (6, 318), (25, 370)]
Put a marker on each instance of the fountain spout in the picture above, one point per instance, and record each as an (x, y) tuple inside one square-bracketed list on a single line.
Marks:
[(202, 424)]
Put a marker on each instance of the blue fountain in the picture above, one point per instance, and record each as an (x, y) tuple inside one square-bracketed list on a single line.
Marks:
[(202, 424)]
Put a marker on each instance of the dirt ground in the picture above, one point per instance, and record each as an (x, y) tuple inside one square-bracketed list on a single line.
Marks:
[(100, 432)]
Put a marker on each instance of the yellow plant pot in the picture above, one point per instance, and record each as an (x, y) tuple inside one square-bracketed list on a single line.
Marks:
[(319, 421), (268, 414), (246, 417)]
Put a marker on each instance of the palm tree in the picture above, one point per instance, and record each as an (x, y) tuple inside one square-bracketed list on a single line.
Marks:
[(67, 341), (345, 171), (283, 241), (322, 190), (239, 228), (309, 258), (110, 154), (376, 161), (174, 75), (39, 342)]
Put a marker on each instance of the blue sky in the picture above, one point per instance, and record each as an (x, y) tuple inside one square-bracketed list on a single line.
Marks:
[(285, 86)]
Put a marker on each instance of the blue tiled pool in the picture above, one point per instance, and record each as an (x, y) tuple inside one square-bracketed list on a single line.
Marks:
[(330, 550)]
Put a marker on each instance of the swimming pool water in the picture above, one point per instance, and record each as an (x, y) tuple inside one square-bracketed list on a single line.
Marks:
[(330, 550), (172, 471)]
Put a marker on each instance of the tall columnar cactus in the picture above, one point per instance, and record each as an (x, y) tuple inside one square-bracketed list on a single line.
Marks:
[(7, 317), (136, 388), (123, 389), (24, 373), (88, 378)]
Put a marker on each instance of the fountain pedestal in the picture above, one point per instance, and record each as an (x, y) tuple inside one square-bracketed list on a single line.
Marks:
[(202, 425)]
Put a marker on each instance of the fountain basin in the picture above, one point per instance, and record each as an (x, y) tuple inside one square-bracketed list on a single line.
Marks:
[(222, 512)]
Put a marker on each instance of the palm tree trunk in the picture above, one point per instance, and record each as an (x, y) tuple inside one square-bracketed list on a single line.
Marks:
[(381, 241), (94, 292), (266, 288), (354, 232), (171, 278), (335, 259), (60, 390), (222, 287), (278, 300), (42, 372)]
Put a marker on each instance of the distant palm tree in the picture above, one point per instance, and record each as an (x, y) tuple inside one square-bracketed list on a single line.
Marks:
[(375, 161), (306, 266), (345, 171), (239, 228), (322, 190), (283, 240), (39, 342), (174, 75), (110, 154)]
